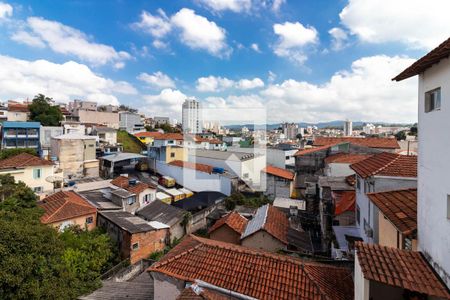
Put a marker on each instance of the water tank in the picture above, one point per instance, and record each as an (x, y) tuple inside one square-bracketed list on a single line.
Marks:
[(218, 170)]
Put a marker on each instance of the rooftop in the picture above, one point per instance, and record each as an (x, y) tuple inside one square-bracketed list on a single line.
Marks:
[(223, 155), (161, 212), (148, 134), (190, 165), (399, 268), (74, 136), (18, 107), (101, 198), (385, 143), (433, 57), (122, 156), (387, 164), (346, 158), (23, 160), (16, 124), (253, 272), (124, 183), (169, 136), (233, 220), (127, 221), (399, 207), (313, 150), (279, 172), (64, 205)]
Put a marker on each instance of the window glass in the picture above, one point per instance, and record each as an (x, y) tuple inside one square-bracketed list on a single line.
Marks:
[(433, 100), (135, 246), (37, 173), (89, 220)]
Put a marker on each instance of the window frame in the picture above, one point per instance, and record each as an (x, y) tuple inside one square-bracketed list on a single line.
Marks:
[(433, 103), (135, 246), (37, 173), (91, 220)]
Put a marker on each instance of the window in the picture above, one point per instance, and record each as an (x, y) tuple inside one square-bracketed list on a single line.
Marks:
[(37, 173), (358, 214), (131, 200), (245, 175), (89, 220), (38, 189), (358, 183), (135, 246), (433, 100), (172, 154)]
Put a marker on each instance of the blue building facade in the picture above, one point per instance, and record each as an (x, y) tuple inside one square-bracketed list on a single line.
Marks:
[(21, 135)]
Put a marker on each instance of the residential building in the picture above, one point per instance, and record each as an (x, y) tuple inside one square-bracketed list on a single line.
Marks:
[(338, 164), (387, 273), (67, 208), (244, 273), (172, 216), (30, 169), (106, 135), (168, 139), (131, 122), (21, 135), (433, 187), (161, 120), (136, 238), (73, 127), (369, 128), (290, 130), (144, 193), (383, 144), (348, 128), (229, 228), (3, 113), (17, 112), (397, 218), (75, 154), (82, 104), (192, 116), (379, 173), (46, 134), (147, 137), (279, 182), (91, 116)]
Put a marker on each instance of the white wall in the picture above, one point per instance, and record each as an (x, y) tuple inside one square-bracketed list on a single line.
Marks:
[(26, 175), (338, 169), (434, 168), (361, 284)]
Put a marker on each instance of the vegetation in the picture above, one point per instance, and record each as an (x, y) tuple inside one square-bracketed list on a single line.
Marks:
[(239, 199), (299, 136), (130, 142), (400, 136), (414, 130), (5, 153), (157, 255), (42, 111), (36, 261), (167, 128), (127, 108)]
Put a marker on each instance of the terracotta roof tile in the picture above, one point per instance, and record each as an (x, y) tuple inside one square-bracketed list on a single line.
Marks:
[(279, 172), (190, 165), (346, 158), (345, 201), (387, 164), (434, 56), (124, 183), (385, 143), (148, 134), (18, 107), (399, 206), (233, 220), (64, 205), (399, 268), (23, 160), (169, 136), (254, 273)]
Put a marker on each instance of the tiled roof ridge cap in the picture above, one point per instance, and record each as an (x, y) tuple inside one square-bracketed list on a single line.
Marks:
[(391, 191), (314, 282), (388, 164)]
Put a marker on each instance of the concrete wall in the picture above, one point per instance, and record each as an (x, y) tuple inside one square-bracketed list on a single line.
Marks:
[(434, 166), (389, 236), (26, 175), (263, 240), (361, 285), (165, 287), (17, 116), (338, 169), (276, 187), (98, 117), (72, 155), (225, 234)]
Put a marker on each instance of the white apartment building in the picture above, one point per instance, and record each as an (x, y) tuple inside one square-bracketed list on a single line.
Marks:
[(348, 128), (191, 117), (290, 130), (131, 122), (434, 161)]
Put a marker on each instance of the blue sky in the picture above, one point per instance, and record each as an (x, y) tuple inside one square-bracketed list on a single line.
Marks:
[(300, 60)]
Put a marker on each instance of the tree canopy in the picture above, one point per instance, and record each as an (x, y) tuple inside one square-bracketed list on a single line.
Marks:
[(42, 111), (5, 153)]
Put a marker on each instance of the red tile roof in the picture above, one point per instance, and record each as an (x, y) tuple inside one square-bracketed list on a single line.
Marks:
[(399, 207), (387, 164), (191, 165), (279, 172), (399, 268), (233, 220), (169, 136), (346, 158), (18, 107), (23, 160), (312, 150), (433, 57), (124, 183), (65, 205), (254, 273), (345, 201), (148, 134), (271, 220), (384, 143)]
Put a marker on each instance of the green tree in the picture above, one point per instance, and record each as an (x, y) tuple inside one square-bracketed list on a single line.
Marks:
[(5, 153), (299, 136), (414, 130), (42, 111), (401, 135), (127, 108)]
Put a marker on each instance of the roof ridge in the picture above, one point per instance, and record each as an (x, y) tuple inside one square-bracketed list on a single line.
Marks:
[(391, 191)]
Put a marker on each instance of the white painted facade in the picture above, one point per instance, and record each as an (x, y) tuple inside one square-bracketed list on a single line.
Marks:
[(191, 116), (338, 170), (433, 170)]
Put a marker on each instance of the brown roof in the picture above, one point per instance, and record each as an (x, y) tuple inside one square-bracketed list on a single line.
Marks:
[(346, 158), (399, 206), (64, 205), (23, 160), (191, 165), (233, 220), (385, 143), (124, 183), (253, 272), (399, 268), (169, 136), (279, 172), (440, 52), (345, 201), (18, 107), (387, 164), (148, 134), (312, 150)]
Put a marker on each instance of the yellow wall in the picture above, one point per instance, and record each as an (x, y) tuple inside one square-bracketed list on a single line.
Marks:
[(80, 221), (146, 139), (388, 234), (26, 175), (180, 154)]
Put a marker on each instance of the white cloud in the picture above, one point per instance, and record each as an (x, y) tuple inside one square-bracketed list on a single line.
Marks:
[(156, 25), (276, 5), (167, 103), (255, 47), (197, 32), (158, 44), (213, 84), (6, 10), (247, 84), (339, 38), (67, 40), (232, 5), (157, 80), (416, 23), (292, 40), (271, 76), (62, 82)]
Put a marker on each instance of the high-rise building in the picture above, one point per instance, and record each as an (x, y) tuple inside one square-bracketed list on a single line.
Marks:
[(191, 118), (290, 130), (348, 128)]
